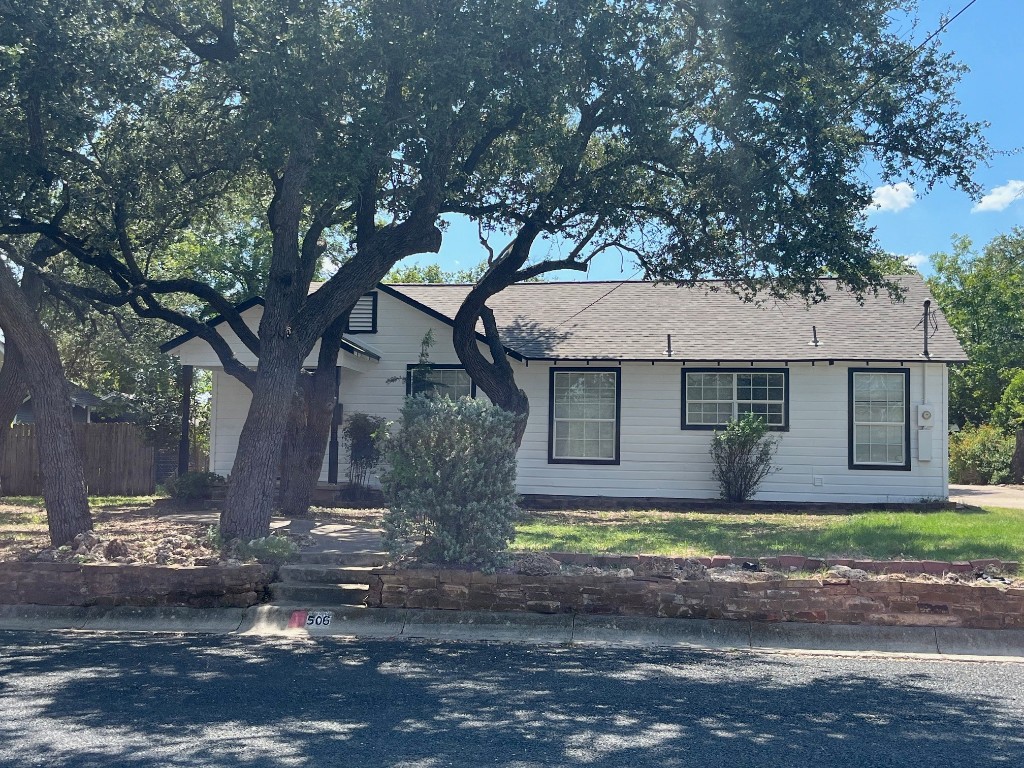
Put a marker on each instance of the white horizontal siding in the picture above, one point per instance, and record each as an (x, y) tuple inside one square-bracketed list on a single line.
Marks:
[(658, 458)]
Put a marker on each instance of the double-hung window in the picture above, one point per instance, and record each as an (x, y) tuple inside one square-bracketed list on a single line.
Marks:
[(450, 381), (584, 409), (879, 418), (712, 397)]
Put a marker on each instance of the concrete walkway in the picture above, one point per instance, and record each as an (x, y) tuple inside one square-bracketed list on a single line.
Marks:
[(333, 538), (1011, 496)]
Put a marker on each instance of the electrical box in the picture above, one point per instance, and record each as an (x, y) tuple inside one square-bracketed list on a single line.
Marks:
[(924, 444), (925, 416)]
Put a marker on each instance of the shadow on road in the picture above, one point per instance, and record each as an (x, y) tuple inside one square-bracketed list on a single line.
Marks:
[(93, 701)]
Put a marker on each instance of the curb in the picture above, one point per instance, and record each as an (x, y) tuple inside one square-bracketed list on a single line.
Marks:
[(563, 629)]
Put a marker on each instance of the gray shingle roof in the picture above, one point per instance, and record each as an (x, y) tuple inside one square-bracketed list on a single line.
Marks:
[(631, 321)]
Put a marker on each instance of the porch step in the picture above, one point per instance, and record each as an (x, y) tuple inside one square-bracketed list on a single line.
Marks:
[(315, 573), (319, 594), (343, 559)]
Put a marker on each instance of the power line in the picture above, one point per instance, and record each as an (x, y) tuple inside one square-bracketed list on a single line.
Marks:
[(600, 298), (870, 87)]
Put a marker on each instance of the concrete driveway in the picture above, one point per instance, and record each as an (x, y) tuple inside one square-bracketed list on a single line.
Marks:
[(1011, 496)]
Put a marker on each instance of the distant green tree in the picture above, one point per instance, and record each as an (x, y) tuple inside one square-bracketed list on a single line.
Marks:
[(982, 297), (432, 273)]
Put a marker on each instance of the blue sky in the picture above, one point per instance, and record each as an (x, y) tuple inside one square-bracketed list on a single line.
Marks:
[(988, 38)]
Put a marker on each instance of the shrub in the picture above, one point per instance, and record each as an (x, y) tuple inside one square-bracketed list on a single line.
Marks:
[(451, 481), (980, 455), (276, 550), (193, 486), (1009, 411), (360, 434), (742, 454)]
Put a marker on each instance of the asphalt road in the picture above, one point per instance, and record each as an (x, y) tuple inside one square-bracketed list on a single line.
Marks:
[(105, 700)]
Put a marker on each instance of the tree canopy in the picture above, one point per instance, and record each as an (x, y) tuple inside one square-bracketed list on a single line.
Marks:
[(982, 296), (715, 138)]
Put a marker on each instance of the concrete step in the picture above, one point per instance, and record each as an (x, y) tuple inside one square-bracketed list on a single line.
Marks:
[(343, 559), (314, 573), (317, 595)]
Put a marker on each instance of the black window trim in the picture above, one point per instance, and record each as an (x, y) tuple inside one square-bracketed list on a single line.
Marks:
[(551, 413), (906, 465), (708, 427), (373, 318), (410, 367)]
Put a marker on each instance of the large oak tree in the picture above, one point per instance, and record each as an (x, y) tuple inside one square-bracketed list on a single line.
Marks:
[(714, 136)]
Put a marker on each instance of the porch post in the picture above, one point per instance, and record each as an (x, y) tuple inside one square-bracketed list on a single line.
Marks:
[(185, 444), (332, 446)]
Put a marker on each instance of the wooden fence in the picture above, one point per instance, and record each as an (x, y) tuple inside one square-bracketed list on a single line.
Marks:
[(116, 459)]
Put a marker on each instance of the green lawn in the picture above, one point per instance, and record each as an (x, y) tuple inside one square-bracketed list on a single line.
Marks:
[(949, 535)]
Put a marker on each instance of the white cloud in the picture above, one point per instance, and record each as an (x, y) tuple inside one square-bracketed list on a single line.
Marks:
[(892, 198), (915, 260), (1000, 197)]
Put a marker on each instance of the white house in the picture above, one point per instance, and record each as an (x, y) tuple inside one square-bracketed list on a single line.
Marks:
[(627, 381)]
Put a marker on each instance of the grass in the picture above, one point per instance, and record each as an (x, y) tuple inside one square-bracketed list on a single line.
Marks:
[(967, 534), (95, 502)]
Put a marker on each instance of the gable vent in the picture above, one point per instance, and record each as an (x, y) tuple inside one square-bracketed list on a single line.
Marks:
[(363, 318)]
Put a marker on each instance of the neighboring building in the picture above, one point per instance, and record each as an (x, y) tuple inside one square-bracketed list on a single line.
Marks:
[(84, 407), (627, 381)]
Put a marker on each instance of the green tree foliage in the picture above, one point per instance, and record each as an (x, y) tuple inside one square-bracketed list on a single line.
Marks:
[(742, 455), (982, 297), (1009, 411), (714, 138), (451, 481), (432, 273), (980, 455)]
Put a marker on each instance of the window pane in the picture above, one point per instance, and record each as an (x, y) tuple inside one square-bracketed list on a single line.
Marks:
[(444, 382), (712, 399), (584, 413), (879, 415)]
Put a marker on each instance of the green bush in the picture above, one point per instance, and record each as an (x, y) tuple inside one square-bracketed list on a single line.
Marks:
[(361, 434), (451, 481), (193, 486), (276, 550), (980, 455), (742, 454), (1009, 411)]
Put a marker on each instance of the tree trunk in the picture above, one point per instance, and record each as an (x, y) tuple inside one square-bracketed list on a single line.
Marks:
[(309, 425), (67, 507), (291, 325), (248, 505), (495, 377), (1017, 463), (12, 395)]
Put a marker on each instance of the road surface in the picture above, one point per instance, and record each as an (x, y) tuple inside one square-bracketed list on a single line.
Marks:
[(110, 700)]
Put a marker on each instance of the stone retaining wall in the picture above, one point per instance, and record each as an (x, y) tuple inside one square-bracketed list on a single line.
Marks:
[(138, 585), (829, 600), (800, 563)]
